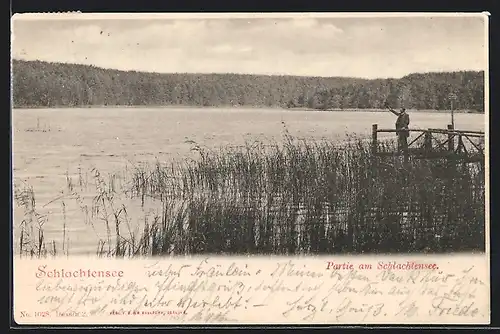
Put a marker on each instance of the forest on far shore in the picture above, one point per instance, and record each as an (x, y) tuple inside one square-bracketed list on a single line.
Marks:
[(44, 84)]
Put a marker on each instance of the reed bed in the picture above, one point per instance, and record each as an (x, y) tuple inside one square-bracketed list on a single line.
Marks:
[(312, 197), (32, 241), (292, 197)]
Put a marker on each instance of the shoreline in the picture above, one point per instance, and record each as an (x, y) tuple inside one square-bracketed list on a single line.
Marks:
[(239, 108)]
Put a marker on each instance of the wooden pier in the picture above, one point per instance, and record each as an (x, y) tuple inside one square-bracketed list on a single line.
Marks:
[(449, 144)]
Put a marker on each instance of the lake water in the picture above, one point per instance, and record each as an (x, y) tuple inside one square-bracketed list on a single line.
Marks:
[(52, 145)]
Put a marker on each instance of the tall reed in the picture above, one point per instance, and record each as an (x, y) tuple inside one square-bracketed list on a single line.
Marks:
[(31, 237)]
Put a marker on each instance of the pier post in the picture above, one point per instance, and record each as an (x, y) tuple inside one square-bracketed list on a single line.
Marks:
[(374, 139), (427, 142), (374, 160), (451, 140)]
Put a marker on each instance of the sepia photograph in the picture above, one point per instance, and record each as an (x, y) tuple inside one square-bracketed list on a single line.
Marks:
[(248, 136), (151, 136)]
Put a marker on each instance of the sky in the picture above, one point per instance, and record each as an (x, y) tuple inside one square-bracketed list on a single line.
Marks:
[(312, 45)]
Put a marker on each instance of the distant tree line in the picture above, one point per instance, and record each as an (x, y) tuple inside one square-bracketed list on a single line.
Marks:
[(416, 91), (43, 84)]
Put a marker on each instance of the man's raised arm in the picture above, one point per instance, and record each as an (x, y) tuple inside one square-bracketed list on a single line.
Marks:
[(390, 109), (393, 111)]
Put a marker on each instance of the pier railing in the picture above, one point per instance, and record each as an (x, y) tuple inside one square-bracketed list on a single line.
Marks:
[(465, 145)]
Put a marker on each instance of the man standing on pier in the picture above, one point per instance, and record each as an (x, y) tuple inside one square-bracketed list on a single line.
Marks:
[(402, 124)]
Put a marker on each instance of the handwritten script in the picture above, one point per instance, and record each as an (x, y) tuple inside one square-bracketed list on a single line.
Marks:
[(251, 290)]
